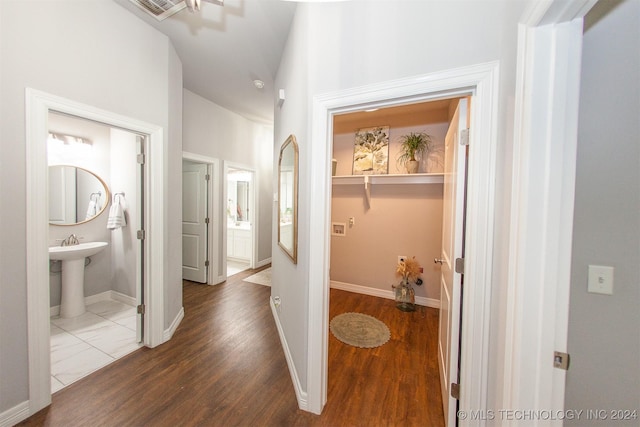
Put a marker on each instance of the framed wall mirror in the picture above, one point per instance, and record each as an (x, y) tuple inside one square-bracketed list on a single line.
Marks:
[(76, 195), (288, 198)]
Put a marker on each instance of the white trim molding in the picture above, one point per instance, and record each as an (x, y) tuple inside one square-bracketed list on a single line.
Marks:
[(102, 296), (301, 395), (381, 293), (38, 106), (13, 416), (254, 215), (168, 333), (264, 262), (479, 81), (543, 186)]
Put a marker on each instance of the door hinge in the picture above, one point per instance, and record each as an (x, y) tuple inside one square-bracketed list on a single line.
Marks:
[(561, 360), (140, 159), (141, 234), (459, 265), (206, 263), (455, 390), (464, 137), (141, 309), (207, 177), (206, 220)]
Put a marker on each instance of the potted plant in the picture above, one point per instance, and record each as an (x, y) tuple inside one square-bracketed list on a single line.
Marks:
[(411, 144)]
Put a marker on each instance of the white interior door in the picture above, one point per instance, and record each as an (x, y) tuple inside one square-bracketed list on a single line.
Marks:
[(452, 248), (141, 182), (194, 222)]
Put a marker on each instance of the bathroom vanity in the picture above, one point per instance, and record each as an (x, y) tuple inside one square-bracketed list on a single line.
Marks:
[(239, 241)]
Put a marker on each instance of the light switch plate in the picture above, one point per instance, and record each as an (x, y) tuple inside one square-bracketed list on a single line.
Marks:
[(600, 280)]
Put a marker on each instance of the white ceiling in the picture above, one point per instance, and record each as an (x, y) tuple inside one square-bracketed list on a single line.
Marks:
[(224, 48)]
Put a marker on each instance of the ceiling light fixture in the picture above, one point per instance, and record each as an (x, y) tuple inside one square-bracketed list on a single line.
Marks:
[(259, 84)]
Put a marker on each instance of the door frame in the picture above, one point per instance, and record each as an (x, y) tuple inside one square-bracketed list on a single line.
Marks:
[(253, 215), (38, 106), (213, 199), (543, 185), (482, 82)]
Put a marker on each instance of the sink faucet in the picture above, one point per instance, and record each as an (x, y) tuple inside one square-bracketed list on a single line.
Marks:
[(71, 240)]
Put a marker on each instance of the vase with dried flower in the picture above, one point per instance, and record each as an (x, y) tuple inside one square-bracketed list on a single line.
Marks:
[(405, 296)]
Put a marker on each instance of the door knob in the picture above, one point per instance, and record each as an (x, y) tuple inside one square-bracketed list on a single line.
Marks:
[(438, 261)]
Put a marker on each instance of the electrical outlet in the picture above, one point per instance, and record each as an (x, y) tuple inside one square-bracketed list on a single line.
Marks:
[(401, 258)]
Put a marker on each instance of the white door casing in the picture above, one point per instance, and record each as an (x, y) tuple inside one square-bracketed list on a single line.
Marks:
[(194, 225), (253, 213), (38, 106), (480, 80), (452, 248), (543, 186)]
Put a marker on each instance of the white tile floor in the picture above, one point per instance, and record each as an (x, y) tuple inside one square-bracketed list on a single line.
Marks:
[(235, 267), (84, 344)]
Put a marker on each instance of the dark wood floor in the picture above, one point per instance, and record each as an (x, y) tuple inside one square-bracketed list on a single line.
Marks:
[(225, 366)]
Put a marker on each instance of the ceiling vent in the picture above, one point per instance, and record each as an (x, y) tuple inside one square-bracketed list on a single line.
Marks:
[(160, 9)]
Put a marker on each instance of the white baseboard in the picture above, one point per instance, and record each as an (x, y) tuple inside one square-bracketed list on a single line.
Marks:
[(102, 296), (263, 262), (301, 395), (381, 293), (168, 333), (13, 416), (125, 299)]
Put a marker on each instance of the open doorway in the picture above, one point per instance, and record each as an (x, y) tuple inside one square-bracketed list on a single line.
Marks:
[(95, 195), (386, 215), (240, 185), (151, 280), (479, 81)]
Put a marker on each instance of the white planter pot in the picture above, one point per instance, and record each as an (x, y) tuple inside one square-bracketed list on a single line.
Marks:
[(412, 166)]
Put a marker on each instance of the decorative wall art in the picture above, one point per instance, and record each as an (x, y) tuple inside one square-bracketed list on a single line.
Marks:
[(371, 151)]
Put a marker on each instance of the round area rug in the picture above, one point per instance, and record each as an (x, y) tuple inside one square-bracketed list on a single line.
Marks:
[(359, 330)]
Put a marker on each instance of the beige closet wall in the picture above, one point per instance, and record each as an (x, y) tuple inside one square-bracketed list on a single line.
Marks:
[(403, 219)]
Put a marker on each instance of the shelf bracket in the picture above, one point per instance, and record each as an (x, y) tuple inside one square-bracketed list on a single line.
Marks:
[(367, 190)]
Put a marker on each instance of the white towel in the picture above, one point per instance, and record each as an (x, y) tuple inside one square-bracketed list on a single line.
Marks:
[(116, 215), (92, 210)]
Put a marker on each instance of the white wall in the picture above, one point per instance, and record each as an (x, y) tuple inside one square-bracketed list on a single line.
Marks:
[(213, 131), (335, 46), (99, 54), (603, 337), (173, 186)]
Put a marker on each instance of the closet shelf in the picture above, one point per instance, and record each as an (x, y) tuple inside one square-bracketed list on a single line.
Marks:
[(413, 178), (368, 180)]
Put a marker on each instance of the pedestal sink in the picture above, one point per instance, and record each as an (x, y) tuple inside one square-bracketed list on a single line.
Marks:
[(72, 257)]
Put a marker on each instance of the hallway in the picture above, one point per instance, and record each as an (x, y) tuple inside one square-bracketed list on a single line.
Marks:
[(225, 366)]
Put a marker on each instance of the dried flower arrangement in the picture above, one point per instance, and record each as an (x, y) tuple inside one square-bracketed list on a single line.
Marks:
[(409, 269)]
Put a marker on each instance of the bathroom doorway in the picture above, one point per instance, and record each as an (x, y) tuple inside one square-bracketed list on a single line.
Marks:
[(239, 189), (95, 195), (150, 298)]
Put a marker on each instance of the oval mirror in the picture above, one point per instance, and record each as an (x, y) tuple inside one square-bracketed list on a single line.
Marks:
[(76, 195), (288, 198)]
